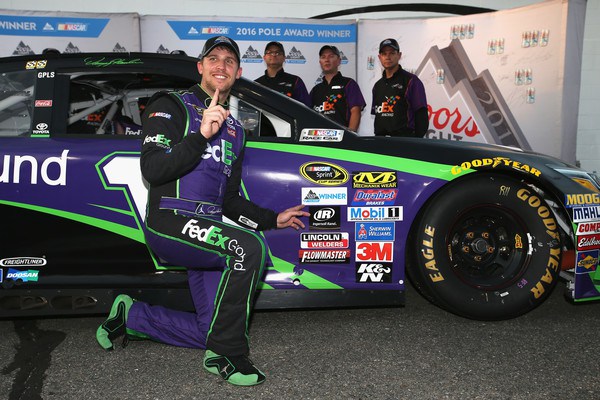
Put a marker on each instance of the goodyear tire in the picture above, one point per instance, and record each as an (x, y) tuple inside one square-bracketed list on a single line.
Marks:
[(487, 247)]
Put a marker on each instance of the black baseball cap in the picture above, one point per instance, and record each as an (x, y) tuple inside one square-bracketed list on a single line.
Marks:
[(276, 44), (333, 49), (217, 41), (389, 43)]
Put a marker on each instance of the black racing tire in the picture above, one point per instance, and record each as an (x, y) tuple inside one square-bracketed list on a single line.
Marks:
[(487, 247)]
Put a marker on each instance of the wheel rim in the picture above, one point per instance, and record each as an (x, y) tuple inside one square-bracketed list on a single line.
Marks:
[(487, 247)]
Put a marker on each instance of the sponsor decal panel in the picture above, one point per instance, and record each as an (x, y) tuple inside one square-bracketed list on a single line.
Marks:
[(588, 228), (23, 262), (324, 218), (587, 199), (584, 214), (587, 262), (321, 135), (375, 197), (328, 240), (359, 214), (374, 180), (588, 242), (1, 274), (328, 256), (324, 173), (369, 231), (375, 251), (25, 276), (43, 103), (39, 64), (373, 272), (324, 196)]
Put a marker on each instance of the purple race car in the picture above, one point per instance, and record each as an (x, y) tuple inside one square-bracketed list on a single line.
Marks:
[(482, 231)]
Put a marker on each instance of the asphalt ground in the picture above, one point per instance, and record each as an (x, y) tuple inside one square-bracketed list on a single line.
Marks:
[(413, 352)]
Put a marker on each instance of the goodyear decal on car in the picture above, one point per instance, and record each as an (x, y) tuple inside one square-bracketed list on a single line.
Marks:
[(493, 163), (324, 173)]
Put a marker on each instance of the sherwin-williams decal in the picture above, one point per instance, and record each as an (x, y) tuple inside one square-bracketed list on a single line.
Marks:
[(367, 231), (324, 173)]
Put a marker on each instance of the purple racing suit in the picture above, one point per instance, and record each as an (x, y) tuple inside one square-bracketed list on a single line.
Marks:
[(193, 183)]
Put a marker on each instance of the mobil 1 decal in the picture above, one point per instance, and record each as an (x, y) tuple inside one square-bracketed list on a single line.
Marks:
[(324, 218)]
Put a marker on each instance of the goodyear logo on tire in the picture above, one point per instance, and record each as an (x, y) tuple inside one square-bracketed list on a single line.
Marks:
[(324, 173)]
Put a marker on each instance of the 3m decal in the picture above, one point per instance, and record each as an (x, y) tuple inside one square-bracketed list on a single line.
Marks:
[(324, 173), (374, 251)]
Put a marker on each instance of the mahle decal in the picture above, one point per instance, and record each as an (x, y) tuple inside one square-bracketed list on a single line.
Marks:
[(324, 173)]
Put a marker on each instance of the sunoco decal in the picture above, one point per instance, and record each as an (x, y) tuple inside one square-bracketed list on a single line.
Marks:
[(587, 261), (324, 173), (23, 262)]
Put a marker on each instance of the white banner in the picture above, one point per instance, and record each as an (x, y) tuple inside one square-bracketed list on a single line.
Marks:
[(29, 32), (301, 39), (491, 78)]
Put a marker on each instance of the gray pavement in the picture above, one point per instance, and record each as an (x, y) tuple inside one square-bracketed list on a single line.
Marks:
[(414, 352)]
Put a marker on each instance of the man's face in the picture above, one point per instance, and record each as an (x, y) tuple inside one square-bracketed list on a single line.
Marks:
[(329, 61), (219, 69), (388, 57), (274, 57)]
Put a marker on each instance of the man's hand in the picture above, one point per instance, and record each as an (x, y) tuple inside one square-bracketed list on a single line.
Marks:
[(213, 117), (290, 217)]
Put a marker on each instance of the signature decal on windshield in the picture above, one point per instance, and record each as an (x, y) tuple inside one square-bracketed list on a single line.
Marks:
[(103, 62)]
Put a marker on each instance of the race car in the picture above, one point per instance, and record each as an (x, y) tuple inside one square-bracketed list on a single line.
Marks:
[(483, 231)]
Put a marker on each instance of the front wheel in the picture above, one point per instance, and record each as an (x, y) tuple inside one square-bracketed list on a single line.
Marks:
[(487, 247)]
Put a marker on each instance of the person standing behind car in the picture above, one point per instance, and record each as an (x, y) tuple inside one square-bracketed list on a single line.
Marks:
[(192, 156), (399, 101), (337, 97), (277, 79)]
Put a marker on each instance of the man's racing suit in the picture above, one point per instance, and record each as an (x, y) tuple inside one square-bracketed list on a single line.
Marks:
[(193, 182)]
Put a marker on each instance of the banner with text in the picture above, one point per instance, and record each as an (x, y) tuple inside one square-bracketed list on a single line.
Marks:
[(29, 32), (301, 40)]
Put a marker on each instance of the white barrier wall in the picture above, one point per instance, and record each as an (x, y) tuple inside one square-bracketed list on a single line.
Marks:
[(492, 78), (301, 39), (23, 32)]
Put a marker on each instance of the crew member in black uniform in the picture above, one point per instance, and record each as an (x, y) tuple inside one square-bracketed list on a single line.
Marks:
[(277, 79), (399, 101), (337, 97)]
